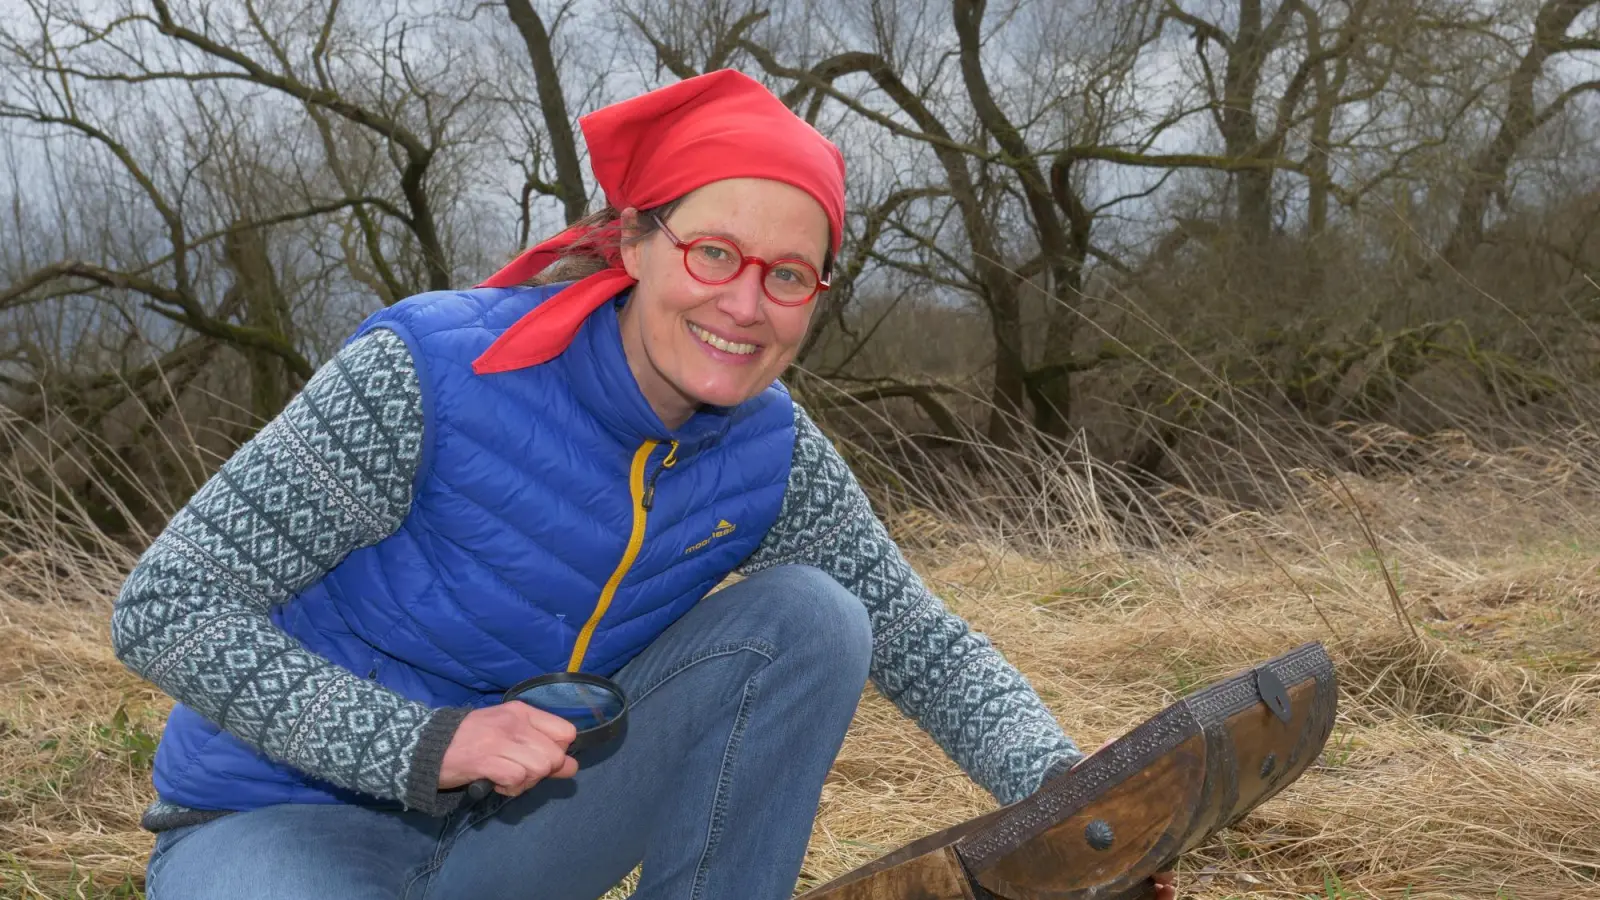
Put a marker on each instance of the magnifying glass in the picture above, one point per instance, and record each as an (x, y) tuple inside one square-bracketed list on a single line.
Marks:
[(596, 706)]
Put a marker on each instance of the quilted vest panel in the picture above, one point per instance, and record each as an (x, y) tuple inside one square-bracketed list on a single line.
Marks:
[(556, 523)]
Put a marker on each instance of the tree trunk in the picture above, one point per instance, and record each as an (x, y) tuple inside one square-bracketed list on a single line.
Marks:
[(1240, 127), (1010, 373), (1487, 175), (263, 306), (1052, 397), (569, 177), (1063, 249)]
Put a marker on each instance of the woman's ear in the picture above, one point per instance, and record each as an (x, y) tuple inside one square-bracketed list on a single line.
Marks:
[(631, 250)]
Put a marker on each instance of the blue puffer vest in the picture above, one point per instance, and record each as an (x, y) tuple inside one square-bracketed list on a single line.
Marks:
[(556, 523)]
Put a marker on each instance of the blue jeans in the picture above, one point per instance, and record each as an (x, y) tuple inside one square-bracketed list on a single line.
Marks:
[(738, 711)]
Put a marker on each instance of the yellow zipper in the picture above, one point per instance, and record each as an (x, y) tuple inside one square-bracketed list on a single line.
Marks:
[(641, 512)]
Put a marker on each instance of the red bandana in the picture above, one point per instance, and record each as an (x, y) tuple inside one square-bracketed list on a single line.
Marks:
[(653, 149)]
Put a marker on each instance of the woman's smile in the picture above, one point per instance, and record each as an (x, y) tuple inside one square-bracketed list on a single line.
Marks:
[(723, 349)]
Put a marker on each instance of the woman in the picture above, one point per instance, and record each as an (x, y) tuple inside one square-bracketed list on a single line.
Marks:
[(491, 484)]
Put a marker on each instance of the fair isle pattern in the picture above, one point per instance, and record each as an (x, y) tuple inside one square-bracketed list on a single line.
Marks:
[(946, 677), (332, 473)]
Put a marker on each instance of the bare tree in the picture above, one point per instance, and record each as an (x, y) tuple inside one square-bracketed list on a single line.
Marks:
[(985, 158), (221, 187), (1522, 115), (390, 115), (229, 180), (558, 127)]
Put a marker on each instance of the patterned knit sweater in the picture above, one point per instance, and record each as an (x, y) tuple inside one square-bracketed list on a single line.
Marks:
[(334, 473)]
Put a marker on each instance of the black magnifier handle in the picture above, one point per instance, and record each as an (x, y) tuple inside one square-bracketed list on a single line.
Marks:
[(479, 789)]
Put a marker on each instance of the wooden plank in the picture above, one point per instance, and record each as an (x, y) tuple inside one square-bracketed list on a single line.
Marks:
[(935, 875), (1101, 830)]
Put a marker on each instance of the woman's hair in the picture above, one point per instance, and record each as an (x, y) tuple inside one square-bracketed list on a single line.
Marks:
[(587, 255)]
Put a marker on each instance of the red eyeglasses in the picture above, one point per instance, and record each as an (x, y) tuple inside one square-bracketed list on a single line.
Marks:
[(714, 260)]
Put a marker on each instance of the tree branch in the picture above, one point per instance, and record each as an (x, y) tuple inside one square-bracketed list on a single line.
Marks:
[(552, 103), (1053, 237), (169, 215), (1194, 161), (665, 53), (1555, 106), (1202, 29), (922, 394), (821, 77), (418, 156), (166, 302), (326, 99)]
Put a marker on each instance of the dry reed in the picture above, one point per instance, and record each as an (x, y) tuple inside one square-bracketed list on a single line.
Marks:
[(1461, 616)]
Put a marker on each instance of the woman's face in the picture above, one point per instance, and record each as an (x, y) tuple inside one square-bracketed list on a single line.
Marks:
[(691, 343)]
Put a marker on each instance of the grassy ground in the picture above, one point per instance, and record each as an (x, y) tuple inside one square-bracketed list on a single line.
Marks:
[(1466, 760)]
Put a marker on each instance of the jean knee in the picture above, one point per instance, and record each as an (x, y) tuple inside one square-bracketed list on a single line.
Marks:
[(821, 622)]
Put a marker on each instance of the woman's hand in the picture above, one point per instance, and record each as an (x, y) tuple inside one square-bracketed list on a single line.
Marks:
[(512, 744), (1165, 882)]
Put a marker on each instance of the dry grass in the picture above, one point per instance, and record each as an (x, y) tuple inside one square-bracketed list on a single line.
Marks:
[(1466, 762)]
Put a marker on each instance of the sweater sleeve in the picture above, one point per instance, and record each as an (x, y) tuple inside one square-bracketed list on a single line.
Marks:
[(330, 474), (926, 660)]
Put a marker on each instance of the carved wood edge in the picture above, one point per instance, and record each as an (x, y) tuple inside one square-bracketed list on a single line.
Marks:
[(979, 843), (1128, 755)]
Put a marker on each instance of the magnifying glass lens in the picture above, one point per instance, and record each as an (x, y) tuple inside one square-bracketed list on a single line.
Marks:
[(595, 706), (584, 705)]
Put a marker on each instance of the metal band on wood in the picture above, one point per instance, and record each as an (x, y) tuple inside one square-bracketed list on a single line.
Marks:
[(1168, 785)]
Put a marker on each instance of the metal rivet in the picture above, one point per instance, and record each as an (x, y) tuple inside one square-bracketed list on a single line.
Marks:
[(1099, 835), (1268, 764)]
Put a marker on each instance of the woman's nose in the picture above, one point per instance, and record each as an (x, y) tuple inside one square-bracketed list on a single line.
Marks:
[(741, 297)]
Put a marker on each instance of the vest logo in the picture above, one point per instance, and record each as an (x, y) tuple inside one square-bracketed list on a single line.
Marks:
[(723, 529)]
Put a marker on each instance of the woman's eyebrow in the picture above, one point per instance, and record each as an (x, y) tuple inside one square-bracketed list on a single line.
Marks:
[(693, 233)]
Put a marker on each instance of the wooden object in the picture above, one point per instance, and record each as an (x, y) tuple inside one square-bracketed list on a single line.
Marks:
[(1099, 831)]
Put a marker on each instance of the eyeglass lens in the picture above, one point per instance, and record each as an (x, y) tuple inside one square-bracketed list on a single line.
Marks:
[(715, 260)]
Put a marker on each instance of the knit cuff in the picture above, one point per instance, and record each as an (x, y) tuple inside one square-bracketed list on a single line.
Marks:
[(422, 785), (1061, 766)]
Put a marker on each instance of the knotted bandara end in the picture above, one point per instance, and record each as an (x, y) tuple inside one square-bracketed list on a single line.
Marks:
[(650, 150), (548, 328)]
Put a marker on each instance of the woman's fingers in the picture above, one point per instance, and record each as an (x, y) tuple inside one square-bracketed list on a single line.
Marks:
[(511, 746), (569, 768), (535, 752), (552, 726), (532, 768), (505, 773)]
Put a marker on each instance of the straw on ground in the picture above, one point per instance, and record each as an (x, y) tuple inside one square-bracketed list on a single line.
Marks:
[(1466, 760)]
